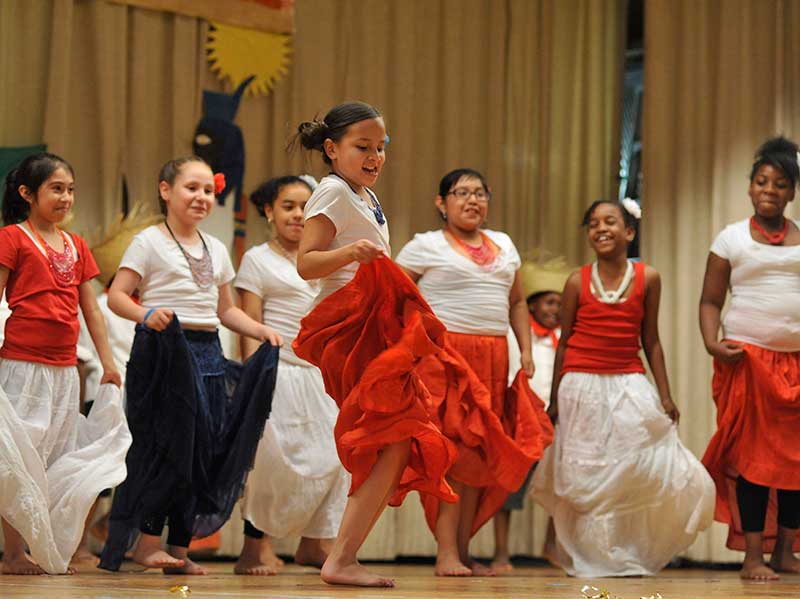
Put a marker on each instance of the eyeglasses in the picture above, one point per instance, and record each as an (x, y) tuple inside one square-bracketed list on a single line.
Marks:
[(481, 195)]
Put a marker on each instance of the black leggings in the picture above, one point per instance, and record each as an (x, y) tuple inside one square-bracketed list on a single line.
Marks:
[(251, 531), (753, 499), (178, 535)]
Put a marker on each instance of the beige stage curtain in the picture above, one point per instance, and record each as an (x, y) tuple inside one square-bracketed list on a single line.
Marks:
[(720, 78), (527, 91), (112, 89)]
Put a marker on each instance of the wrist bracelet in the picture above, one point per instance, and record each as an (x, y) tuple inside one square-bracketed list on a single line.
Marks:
[(147, 315)]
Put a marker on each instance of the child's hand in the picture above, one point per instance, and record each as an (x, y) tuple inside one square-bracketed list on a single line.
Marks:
[(726, 351), (159, 319), (271, 335), (671, 409), (527, 364), (364, 251), (110, 375)]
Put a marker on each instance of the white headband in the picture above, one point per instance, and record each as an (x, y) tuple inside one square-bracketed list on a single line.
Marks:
[(632, 207), (311, 181)]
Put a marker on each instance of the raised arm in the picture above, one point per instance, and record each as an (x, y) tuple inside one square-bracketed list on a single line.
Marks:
[(316, 261), (253, 306), (715, 288), (234, 318), (121, 303), (521, 324), (96, 323), (652, 343), (4, 272), (569, 308)]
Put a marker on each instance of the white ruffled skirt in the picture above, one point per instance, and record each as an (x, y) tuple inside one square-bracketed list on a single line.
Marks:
[(626, 496), (54, 462), (298, 485)]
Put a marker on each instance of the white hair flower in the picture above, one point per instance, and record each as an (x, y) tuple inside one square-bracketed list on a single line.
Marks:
[(632, 207), (311, 181)]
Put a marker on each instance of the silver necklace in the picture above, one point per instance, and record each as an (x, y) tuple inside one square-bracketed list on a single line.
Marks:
[(275, 244), (611, 297)]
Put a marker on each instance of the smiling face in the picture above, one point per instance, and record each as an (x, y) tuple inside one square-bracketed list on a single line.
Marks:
[(287, 212), (190, 197), (546, 308), (770, 191), (54, 198), (608, 234), (466, 204), (360, 154)]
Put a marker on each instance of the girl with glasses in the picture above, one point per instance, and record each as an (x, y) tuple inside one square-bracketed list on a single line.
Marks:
[(470, 278)]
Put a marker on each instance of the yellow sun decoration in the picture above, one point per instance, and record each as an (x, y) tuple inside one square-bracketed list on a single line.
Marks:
[(236, 53)]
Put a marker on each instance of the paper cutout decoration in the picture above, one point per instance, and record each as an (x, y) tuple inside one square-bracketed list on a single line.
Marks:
[(236, 53), (219, 141)]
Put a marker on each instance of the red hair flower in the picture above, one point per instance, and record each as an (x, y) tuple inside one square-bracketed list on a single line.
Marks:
[(219, 183)]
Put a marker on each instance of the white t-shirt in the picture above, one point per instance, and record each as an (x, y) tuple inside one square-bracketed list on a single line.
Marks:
[(287, 298), (167, 280), (353, 219), (544, 357), (465, 297), (765, 290)]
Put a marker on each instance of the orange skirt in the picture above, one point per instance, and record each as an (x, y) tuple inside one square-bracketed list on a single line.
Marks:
[(367, 339), (758, 419), (500, 432)]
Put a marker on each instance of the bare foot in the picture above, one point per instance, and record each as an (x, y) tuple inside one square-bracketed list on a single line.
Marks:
[(549, 553), (84, 558), (353, 574), (188, 567), (502, 565), (157, 558), (450, 565), (248, 566), (785, 563), (21, 564), (269, 557), (99, 530), (311, 552), (478, 569), (757, 571)]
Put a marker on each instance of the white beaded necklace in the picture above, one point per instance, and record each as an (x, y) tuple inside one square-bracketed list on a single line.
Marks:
[(611, 297)]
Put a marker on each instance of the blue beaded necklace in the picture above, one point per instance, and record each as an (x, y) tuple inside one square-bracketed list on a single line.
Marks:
[(377, 211)]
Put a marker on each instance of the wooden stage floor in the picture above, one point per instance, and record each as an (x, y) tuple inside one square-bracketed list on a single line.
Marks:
[(413, 581)]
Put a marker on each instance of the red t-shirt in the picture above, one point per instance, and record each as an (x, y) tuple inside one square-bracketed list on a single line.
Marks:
[(605, 337), (43, 326)]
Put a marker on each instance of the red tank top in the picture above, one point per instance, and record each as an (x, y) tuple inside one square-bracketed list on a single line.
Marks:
[(605, 337)]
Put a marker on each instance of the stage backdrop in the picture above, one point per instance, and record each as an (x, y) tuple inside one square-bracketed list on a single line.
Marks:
[(526, 91), (720, 78)]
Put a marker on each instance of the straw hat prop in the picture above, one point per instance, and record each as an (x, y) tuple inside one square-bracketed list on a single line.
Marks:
[(109, 250), (544, 276)]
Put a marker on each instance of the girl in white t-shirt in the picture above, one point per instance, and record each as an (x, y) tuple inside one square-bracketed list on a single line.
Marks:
[(469, 276), (754, 456), (193, 438), (384, 436), (297, 486)]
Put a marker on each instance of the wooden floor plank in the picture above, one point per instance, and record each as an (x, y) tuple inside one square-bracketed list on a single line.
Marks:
[(413, 582)]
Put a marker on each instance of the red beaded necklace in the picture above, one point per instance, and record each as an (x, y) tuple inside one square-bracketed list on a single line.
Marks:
[(61, 263), (484, 255), (772, 238)]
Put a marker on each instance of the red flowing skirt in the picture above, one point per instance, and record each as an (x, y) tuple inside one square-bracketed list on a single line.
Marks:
[(367, 339), (500, 432), (758, 433)]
